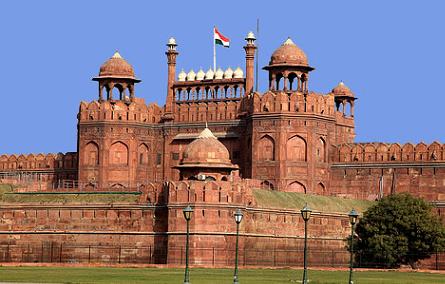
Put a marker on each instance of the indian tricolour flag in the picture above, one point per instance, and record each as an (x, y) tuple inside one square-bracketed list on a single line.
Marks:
[(220, 39)]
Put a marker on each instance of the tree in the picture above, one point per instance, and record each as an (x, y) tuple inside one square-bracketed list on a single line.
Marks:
[(399, 229)]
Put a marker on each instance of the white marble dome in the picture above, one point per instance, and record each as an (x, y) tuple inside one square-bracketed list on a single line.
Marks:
[(238, 73), (228, 74), (219, 74), (182, 76), (191, 75), (200, 75), (210, 74)]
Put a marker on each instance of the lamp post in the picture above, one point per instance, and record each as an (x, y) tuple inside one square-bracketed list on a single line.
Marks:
[(238, 217), (353, 216), (306, 214), (188, 211)]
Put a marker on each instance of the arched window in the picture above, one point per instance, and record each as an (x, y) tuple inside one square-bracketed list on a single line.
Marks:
[(267, 185), (143, 154), (320, 150), (296, 187), (119, 154), (296, 149), (266, 148), (92, 154), (321, 189)]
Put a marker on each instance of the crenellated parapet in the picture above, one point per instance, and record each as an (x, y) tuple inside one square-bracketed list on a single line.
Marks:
[(386, 152), (25, 162), (293, 102), (135, 111), (211, 192)]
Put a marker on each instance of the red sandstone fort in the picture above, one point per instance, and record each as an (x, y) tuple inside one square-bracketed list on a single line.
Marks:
[(213, 143)]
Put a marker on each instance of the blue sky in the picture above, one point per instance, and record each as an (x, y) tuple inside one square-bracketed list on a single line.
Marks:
[(390, 53)]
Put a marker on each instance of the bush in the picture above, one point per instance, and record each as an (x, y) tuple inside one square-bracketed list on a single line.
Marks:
[(399, 229)]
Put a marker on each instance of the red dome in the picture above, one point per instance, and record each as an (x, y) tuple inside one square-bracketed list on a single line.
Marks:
[(206, 151), (288, 54), (342, 90), (116, 67)]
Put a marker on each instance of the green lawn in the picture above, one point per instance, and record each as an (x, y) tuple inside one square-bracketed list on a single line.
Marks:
[(8, 196), (295, 200), (201, 276)]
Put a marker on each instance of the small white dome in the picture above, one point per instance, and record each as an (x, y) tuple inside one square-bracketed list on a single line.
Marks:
[(238, 73), (182, 76), (228, 74), (250, 36), (191, 75), (200, 75), (210, 74), (219, 74), (171, 41)]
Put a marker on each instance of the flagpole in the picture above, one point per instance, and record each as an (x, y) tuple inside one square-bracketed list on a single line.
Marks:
[(257, 51), (214, 51)]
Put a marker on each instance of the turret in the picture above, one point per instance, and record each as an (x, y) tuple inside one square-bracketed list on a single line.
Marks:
[(250, 57), (171, 61), (116, 73)]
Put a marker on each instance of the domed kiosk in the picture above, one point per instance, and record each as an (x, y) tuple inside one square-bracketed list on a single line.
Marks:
[(288, 68), (344, 96), (117, 73), (206, 158)]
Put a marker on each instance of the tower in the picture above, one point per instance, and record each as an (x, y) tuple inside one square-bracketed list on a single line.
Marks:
[(250, 57), (116, 73), (171, 62), (288, 68)]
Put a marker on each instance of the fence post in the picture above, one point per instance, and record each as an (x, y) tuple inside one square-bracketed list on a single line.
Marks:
[(119, 259), (150, 255), (437, 260), (51, 252), (89, 253), (213, 257), (60, 253)]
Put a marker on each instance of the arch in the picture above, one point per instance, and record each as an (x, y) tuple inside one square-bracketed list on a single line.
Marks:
[(267, 185), (296, 186), (407, 152), (91, 151), (266, 148), (296, 149), (395, 152), (421, 151), (370, 153), (320, 150), (119, 153), (143, 153), (321, 189), (293, 84), (382, 152)]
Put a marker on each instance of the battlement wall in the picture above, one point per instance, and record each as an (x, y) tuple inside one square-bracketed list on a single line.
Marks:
[(51, 161), (385, 152), (136, 111)]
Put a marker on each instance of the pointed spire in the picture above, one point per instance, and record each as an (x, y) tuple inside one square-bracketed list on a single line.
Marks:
[(116, 55), (288, 41)]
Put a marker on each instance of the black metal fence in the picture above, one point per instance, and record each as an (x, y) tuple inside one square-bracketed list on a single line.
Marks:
[(52, 252)]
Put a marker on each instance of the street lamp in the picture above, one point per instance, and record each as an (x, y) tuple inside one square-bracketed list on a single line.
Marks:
[(238, 218), (188, 211), (306, 214), (353, 216)]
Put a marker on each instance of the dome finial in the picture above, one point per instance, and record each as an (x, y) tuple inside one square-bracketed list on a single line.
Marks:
[(288, 41), (116, 54)]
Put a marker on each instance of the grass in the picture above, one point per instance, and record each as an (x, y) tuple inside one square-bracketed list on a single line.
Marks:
[(8, 196), (294, 200), (202, 276)]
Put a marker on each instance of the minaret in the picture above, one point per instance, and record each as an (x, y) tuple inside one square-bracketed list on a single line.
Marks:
[(171, 61), (250, 58)]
